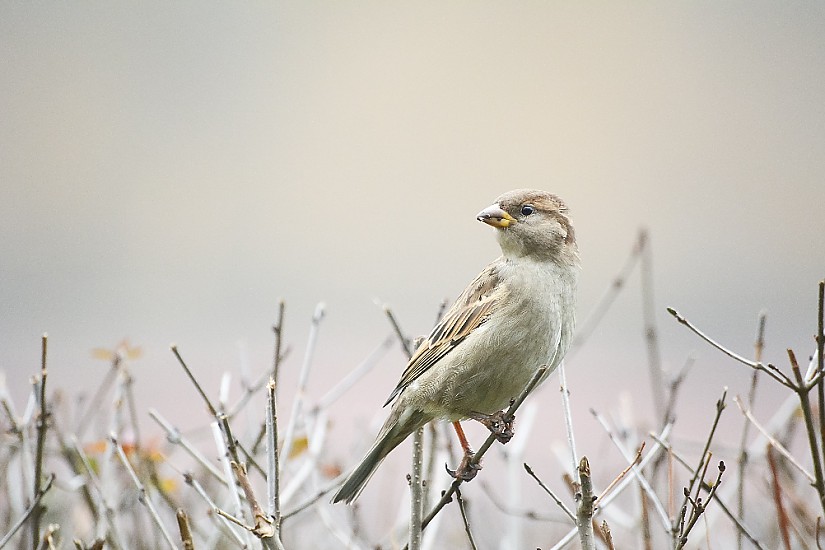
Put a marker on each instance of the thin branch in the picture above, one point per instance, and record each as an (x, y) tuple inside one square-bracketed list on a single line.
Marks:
[(781, 513), (273, 470), (298, 400), (403, 340), (660, 439), (263, 528), (521, 513), (637, 473), (278, 329), (773, 441), (805, 404), (568, 417), (654, 356), (555, 498), (197, 385), (185, 530), (174, 437), (607, 535), (585, 508), (143, 495), (589, 324), (42, 426), (623, 473), (759, 346), (108, 510), (416, 489), (740, 526), (820, 349), (29, 511), (720, 406), (354, 375), (224, 525), (462, 507), (768, 368), (699, 507)]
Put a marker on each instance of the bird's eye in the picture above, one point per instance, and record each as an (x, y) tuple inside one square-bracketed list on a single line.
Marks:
[(526, 210)]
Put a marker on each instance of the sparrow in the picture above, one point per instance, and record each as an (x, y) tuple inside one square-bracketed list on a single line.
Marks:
[(515, 316)]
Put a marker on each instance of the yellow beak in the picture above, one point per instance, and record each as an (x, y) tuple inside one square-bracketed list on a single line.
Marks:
[(495, 216)]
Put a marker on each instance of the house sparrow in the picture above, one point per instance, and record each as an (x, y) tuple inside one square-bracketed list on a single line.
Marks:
[(516, 316)]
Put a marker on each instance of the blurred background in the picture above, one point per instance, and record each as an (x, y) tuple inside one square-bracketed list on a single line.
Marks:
[(168, 172)]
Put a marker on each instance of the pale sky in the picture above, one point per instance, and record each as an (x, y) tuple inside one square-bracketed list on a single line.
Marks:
[(168, 171)]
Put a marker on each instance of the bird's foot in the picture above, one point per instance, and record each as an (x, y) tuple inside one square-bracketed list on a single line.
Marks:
[(500, 424), (467, 469)]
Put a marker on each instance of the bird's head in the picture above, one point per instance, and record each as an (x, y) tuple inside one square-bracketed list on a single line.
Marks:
[(532, 223)]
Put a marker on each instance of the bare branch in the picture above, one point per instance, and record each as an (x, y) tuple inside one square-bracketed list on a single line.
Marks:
[(462, 506), (27, 514), (768, 369), (585, 508), (555, 498)]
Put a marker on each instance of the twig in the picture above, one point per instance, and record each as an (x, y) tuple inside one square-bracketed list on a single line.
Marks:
[(598, 313), (781, 514), (29, 511), (654, 357), (219, 436), (802, 390), (354, 375), (197, 385), (416, 489), (462, 507), (568, 417), (720, 406), (334, 484), (143, 496), (298, 400), (773, 441), (699, 507), (618, 478), (654, 498), (585, 508), (185, 531), (108, 510), (504, 509), (278, 329), (404, 341), (42, 426), (263, 528), (273, 470), (223, 525), (820, 349), (740, 526), (174, 437), (759, 346), (607, 535), (768, 368), (555, 498), (675, 385)]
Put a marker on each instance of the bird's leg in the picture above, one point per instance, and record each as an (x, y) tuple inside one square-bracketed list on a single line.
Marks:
[(499, 423), (466, 470)]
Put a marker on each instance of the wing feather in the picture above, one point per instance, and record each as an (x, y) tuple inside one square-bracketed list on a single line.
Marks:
[(469, 312)]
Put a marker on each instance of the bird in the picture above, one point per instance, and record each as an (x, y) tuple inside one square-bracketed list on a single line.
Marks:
[(517, 315)]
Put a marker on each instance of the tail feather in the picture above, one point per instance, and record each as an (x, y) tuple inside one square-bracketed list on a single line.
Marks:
[(390, 437)]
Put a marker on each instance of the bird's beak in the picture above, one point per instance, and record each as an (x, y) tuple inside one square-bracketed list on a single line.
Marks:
[(495, 216)]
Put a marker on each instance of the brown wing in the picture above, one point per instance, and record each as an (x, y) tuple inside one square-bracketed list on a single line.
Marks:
[(469, 312)]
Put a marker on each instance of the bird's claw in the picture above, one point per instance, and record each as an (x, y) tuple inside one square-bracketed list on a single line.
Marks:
[(499, 423), (467, 469)]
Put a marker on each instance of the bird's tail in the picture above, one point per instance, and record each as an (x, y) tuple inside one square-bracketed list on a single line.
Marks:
[(395, 431)]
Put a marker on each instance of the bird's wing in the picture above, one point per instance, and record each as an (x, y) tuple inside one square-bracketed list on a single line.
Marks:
[(469, 312)]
